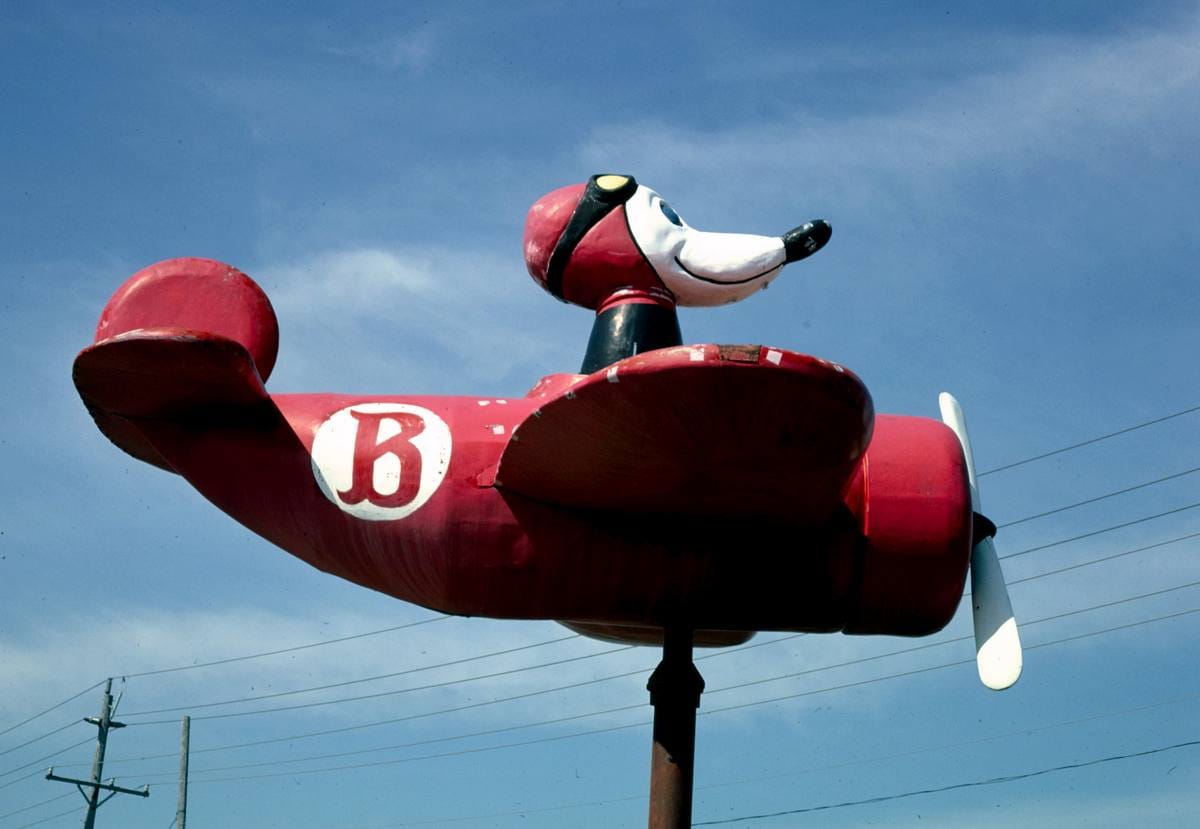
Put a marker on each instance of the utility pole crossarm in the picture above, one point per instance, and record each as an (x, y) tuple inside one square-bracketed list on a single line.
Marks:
[(90, 789), (96, 721), (144, 791)]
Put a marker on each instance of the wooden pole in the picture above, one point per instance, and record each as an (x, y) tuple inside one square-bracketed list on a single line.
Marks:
[(181, 809), (102, 723), (90, 789)]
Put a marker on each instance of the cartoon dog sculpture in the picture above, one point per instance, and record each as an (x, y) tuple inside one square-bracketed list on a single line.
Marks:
[(725, 488)]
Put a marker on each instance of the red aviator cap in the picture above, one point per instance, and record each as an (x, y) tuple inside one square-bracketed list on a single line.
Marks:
[(578, 245)]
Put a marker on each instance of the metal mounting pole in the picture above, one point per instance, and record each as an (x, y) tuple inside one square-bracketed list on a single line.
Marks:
[(675, 688)]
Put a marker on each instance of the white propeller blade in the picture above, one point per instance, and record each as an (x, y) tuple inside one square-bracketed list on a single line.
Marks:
[(997, 642)]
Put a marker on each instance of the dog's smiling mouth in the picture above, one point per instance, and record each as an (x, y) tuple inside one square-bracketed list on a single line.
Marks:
[(712, 281)]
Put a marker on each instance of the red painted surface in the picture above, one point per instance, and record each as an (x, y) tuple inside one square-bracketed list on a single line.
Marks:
[(727, 490), (605, 261), (202, 295), (637, 296), (544, 224), (698, 430)]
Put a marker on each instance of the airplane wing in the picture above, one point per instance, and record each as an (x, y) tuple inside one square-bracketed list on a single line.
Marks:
[(736, 431)]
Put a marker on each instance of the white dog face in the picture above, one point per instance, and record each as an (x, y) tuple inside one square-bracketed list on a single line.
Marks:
[(701, 268)]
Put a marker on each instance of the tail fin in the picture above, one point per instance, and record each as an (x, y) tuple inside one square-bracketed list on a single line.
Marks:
[(181, 338)]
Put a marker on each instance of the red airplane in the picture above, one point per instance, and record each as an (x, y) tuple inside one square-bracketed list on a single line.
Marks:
[(723, 489)]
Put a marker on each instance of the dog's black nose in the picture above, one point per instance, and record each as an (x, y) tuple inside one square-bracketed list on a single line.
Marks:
[(806, 240)]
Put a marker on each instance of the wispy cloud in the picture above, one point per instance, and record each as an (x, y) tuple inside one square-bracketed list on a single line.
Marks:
[(1168, 803), (400, 316), (410, 51), (52, 664), (1063, 98)]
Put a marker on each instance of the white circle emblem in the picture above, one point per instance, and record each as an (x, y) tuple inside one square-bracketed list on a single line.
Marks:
[(381, 461)]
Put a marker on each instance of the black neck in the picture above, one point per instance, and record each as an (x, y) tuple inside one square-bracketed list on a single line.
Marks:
[(630, 328)]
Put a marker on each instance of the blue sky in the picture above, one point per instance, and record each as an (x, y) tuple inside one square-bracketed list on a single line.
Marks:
[(1012, 189)]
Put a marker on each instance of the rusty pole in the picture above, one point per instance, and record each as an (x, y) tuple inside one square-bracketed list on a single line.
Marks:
[(675, 688)]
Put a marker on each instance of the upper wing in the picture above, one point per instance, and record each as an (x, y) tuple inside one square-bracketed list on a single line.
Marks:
[(734, 431)]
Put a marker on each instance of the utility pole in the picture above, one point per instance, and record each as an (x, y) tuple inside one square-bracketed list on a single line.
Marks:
[(181, 809), (103, 723)]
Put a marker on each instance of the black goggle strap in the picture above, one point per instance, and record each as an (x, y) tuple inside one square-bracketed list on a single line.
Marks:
[(604, 193)]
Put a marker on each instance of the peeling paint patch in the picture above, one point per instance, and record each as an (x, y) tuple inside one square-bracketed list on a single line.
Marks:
[(483, 402), (696, 355), (497, 428), (612, 375), (774, 356)]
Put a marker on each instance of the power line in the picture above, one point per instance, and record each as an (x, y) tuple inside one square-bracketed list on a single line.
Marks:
[(959, 744), (720, 653), (35, 805), (48, 819), (928, 645), (1100, 560), (205, 665), (433, 713), (609, 729), (738, 686), (427, 687), (1089, 441), (514, 813), (724, 652), (360, 726), (225, 662), (1107, 495), (321, 643), (272, 763), (40, 737), (392, 675), (372, 633), (26, 777), (1101, 532), (51, 708), (1105, 558), (992, 781), (639, 706), (246, 657), (441, 618), (947, 665), (624, 674), (426, 621), (44, 757), (827, 767), (437, 685), (741, 706)]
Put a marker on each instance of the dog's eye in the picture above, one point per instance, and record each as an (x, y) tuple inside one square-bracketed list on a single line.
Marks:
[(671, 215)]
